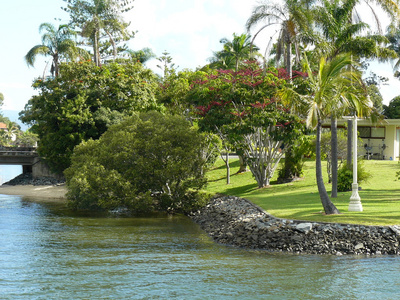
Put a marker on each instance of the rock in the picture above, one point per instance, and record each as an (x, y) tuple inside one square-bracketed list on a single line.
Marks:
[(235, 221), (395, 229), (304, 227), (359, 246)]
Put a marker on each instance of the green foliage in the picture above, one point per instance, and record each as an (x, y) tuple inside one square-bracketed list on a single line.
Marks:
[(173, 90), (101, 25), (392, 111), (345, 176), (26, 139), (148, 162), (294, 159), (242, 109), (81, 103)]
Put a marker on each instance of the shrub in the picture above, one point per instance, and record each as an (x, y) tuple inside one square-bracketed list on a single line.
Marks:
[(345, 176), (148, 162)]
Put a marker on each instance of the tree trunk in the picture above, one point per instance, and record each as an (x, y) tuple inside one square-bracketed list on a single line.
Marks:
[(349, 143), (228, 170), (243, 165), (329, 207), (289, 59), (334, 159)]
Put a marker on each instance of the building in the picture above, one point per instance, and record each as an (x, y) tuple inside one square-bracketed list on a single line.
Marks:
[(380, 141)]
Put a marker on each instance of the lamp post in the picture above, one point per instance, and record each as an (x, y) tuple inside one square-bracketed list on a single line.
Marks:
[(355, 200)]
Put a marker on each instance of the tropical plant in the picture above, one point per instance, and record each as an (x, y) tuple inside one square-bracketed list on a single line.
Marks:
[(234, 52), (392, 111), (241, 109), (294, 19), (342, 33), (142, 55), (335, 83), (345, 176), (57, 43), (98, 20)]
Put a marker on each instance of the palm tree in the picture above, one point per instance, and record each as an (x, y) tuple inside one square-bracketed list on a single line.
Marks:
[(335, 85), (97, 19), (340, 34), (393, 35), (234, 52), (142, 55), (294, 19), (57, 43)]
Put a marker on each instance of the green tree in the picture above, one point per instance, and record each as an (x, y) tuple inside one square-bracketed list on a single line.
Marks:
[(98, 20), (148, 162), (294, 19), (341, 35), (234, 52), (247, 116), (1, 99), (392, 111), (82, 102), (335, 83), (143, 55), (393, 35), (26, 139), (57, 43)]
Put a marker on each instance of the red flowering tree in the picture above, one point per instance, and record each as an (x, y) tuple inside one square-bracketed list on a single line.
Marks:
[(242, 109)]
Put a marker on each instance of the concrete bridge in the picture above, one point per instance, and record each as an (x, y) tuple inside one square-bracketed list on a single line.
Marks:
[(27, 157)]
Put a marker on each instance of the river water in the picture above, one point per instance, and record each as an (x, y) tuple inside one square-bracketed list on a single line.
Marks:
[(49, 252)]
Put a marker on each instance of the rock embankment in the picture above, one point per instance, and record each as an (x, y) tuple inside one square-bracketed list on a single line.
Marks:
[(236, 221), (27, 179)]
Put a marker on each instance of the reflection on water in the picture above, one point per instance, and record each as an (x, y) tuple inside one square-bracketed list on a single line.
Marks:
[(46, 252)]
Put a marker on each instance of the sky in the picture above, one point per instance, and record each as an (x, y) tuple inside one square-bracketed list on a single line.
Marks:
[(188, 30)]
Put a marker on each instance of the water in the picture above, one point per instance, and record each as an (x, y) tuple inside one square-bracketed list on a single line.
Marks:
[(48, 252)]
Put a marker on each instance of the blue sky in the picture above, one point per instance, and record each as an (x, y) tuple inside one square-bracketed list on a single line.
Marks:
[(189, 30)]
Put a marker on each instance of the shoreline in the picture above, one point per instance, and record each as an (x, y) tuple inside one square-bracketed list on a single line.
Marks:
[(36, 191), (237, 222)]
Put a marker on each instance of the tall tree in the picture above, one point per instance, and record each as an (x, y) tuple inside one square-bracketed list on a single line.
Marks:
[(335, 82), (392, 111), (97, 20), (294, 19), (342, 32), (83, 102), (58, 43), (248, 117), (235, 52)]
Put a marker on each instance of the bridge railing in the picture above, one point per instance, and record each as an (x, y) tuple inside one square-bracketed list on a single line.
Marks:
[(18, 151)]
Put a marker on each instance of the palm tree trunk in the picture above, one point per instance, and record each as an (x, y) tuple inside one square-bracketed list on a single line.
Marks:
[(329, 207), (334, 159), (289, 59)]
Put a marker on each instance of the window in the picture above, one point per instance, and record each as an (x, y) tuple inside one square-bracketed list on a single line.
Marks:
[(371, 132)]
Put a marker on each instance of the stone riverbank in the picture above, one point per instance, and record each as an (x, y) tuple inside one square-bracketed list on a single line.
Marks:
[(235, 221)]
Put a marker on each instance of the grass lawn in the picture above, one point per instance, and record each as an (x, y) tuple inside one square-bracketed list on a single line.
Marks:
[(380, 196)]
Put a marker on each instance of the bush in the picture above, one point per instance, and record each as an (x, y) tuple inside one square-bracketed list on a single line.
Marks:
[(345, 176), (148, 162)]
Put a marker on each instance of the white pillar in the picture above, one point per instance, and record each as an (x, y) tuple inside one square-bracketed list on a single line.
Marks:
[(355, 200)]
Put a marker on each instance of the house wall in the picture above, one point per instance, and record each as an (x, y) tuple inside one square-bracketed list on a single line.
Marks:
[(391, 151)]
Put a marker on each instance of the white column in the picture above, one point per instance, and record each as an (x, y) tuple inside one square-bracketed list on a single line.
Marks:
[(355, 200)]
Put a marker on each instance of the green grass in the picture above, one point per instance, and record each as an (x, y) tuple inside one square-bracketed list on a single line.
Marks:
[(380, 196)]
